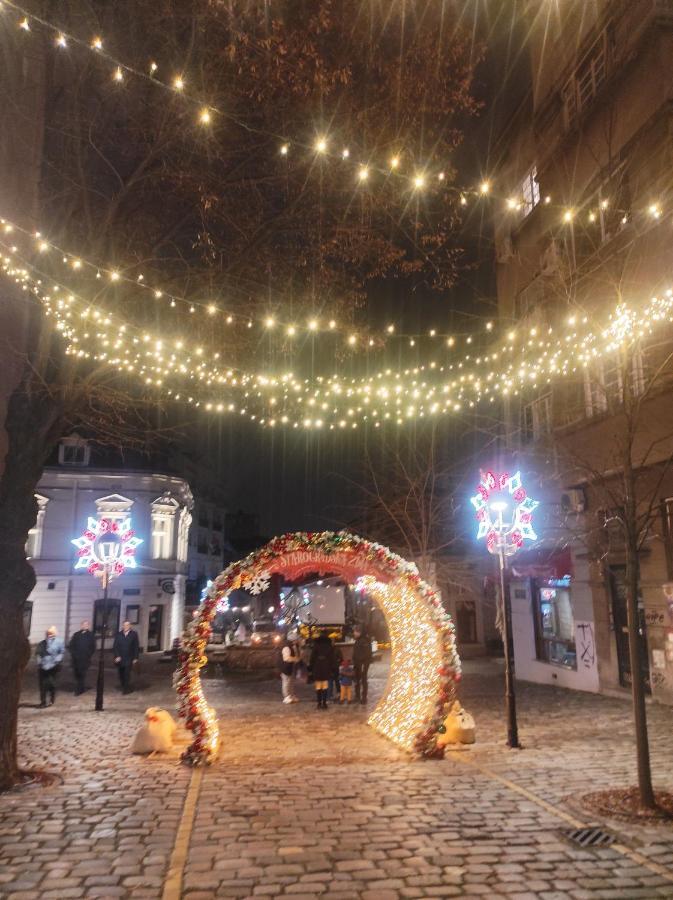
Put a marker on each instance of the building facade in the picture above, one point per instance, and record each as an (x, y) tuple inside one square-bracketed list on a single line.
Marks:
[(582, 226), (152, 594), (206, 548)]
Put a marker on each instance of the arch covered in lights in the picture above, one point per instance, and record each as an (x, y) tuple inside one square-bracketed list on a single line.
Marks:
[(425, 667)]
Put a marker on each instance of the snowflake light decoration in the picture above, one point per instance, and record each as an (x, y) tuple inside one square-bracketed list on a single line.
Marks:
[(257, 584), (504, 512), (107, 546)]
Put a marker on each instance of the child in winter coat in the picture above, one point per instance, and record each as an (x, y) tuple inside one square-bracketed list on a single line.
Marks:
[(346, 680)]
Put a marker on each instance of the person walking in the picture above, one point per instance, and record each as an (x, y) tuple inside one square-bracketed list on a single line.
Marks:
[(290, 658), (126, 649), (362, 657), (82, 647), (322, 666), (49, 658)]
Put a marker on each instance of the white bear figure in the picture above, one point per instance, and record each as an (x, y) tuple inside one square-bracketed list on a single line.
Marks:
[(156, 734)]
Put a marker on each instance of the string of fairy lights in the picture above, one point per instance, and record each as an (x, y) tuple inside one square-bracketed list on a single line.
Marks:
[(529, 358), (77, 265), (186, 371), (322, 144)]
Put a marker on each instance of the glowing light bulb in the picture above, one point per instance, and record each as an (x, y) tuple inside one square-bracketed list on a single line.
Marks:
[(441, 176), (463, 200), (592, 216), (390, 329), (394, 162), (352, 339), (332, 324), (114, 276), (313, 325), (179, 83), (419, 181), (568, 215), (345, 153), (61, 41), (547, 200), (212, 309), (284, 148), (605, 204), (321, 145), (118, 74), (484, 187), (153, 67), (270, 322), (291, 331), (512, 203), (205, 117), (97, 43), (655, 210), (24, 24), (363, 174)]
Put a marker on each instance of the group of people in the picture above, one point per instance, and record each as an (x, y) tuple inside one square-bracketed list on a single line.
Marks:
[(334, 675), (51, 651)]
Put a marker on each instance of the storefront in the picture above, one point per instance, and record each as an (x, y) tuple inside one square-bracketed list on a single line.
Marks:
[(552, 620)]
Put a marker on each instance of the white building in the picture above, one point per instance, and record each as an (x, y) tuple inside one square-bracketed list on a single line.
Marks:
[(151, 595)]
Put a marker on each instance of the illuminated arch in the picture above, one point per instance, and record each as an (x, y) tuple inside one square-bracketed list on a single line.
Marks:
[(425, 667)]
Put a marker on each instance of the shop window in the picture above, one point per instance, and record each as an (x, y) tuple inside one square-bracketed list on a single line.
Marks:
[(554, 626)]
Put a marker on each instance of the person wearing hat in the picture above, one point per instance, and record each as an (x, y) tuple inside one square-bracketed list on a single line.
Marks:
[(289, 660)]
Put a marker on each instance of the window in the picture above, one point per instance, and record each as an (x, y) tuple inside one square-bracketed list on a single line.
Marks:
[(530, 191), (163, 519), (466, 621), (604, 383), (585, 82), (114, 506), (554, 626), (34, 542), (74, 452), (536, 419)]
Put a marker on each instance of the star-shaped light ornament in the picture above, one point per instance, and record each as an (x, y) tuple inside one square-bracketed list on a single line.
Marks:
[(108, 546), (257, 584), (504, 512)]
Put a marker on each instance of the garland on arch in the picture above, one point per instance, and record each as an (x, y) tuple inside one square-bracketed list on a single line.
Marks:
[(373, 558)]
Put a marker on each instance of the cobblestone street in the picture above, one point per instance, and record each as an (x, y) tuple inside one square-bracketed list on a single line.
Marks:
[(314, 804)]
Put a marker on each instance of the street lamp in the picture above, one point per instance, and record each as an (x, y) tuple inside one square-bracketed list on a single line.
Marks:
[(106, 549), (504, 513)]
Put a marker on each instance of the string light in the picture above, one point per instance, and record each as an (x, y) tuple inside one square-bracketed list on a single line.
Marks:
[(205, 117)]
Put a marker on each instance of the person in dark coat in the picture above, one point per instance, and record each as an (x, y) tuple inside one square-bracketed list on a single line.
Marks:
[(82, 647), (126, 649), (322, 666), (362, 657)]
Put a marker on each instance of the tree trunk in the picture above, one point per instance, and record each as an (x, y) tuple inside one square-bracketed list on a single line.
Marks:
[(33, 426), (632, 579)]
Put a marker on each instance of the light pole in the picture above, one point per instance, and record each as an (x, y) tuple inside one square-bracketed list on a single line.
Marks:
[(505, 515), (106, 549)]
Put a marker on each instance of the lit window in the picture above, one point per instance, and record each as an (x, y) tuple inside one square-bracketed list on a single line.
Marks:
[(163, 520), (530, 191), (34, 542), (554, 626)]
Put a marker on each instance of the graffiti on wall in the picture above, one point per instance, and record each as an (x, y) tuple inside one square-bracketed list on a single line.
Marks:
[(586, 645)]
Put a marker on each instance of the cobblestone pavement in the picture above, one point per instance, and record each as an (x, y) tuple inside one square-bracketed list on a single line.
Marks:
[(303, 803)]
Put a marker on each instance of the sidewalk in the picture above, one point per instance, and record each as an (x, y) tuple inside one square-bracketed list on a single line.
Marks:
[(309, 804)]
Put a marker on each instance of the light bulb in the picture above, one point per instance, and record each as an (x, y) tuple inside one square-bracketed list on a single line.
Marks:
[(118, 74), (179, 83), (363, 174), (321, 145), (61, 41), (394, 162), (484, 187), (419, 181), (284, 149), (204, 117), (97, 44)]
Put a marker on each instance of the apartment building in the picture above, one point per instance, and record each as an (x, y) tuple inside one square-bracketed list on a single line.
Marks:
[(583, 222)]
